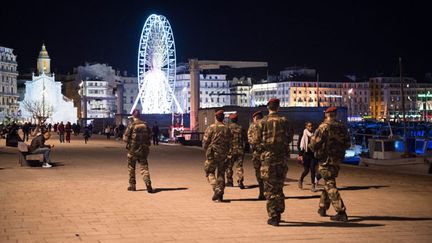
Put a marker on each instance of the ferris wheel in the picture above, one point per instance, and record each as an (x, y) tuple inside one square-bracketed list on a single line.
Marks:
[(156, 66)]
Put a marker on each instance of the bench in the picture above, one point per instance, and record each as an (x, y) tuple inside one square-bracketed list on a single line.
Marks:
[(25, 156)]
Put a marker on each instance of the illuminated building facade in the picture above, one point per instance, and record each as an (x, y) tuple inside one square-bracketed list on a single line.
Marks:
[(46, 92), (8, 83), (214, 91)]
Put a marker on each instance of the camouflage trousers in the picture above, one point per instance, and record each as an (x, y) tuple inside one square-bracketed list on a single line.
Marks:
[(211, 167), (237, 160), (215, 161), (256, 161), (142, 160), (273, 173), (330, 193)]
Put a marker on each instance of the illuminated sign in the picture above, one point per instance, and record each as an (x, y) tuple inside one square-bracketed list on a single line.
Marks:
[(428, 95)]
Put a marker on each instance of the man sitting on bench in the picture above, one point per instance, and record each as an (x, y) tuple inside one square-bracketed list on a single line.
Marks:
[(38, 146)]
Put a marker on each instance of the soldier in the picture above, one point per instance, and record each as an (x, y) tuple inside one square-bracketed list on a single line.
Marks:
[(236, 152), (137, 136), (273, 137), (329, 143), (216, 142), (256, 154)]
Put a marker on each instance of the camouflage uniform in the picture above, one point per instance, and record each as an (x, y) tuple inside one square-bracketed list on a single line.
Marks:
[(329, 143), (137, 136), (256, 154), (216, 142), (236, 152), (273, 137)]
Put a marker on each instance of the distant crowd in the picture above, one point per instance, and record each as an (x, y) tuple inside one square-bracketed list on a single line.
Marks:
[(15, 132)]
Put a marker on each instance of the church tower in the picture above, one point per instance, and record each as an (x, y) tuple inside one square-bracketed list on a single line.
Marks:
[(43, 61)]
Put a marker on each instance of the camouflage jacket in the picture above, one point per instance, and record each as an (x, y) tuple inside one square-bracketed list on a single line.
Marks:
[(330, 141), (252, 134), (274, 134), (238, 138), (137, 136), (217, 137)]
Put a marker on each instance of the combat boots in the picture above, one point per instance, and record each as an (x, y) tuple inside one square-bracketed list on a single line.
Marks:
[(217, 196), (322, 212), (274, 220), (340, 216), (131, 187), (240, 183), (149, 187), (261, 192)]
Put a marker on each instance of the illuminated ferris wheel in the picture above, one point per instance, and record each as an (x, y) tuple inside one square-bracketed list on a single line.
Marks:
[(156, 66)]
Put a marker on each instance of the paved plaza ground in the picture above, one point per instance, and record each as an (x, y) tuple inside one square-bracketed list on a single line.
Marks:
[(84, 198)]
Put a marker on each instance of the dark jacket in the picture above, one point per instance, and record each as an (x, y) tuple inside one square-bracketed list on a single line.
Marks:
[(38, 142)]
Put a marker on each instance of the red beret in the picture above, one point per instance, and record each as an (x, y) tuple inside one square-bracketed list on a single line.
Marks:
[(256, 113), (331, 109), (273, 101), (219, 112), (233, 116)]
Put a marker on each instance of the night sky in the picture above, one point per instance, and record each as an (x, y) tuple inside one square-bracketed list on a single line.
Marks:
[(335, 37)]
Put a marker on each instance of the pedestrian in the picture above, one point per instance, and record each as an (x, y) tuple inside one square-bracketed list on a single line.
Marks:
[(274, 134), (68, 131), (61, 131), (236, 152), (216, 143), (78, 129), (86, 134), (306, 156), (155, 131), (90, 127), (329, 143), (137, 138), (26, 131), (74, 129), (38, 146), (55, 127), (256, 151), (121, 130), (108, 131)]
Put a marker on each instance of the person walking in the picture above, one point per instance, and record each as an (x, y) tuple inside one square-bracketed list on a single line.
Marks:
[(216, 143), (137, 137), (61, 131), (68, 131), (108, 131), (329, 143), (26, 131), (86, 134), (155, 131), (256, 152), (306, 156), (274, 134), (236, 152)]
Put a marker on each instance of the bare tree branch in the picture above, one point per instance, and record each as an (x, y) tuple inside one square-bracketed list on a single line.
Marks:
[(39, 111)]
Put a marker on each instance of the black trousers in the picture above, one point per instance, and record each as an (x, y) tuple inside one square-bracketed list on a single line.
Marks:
[(309, 164)]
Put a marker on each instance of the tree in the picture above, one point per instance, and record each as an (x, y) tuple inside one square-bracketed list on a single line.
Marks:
[(40, 110)]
